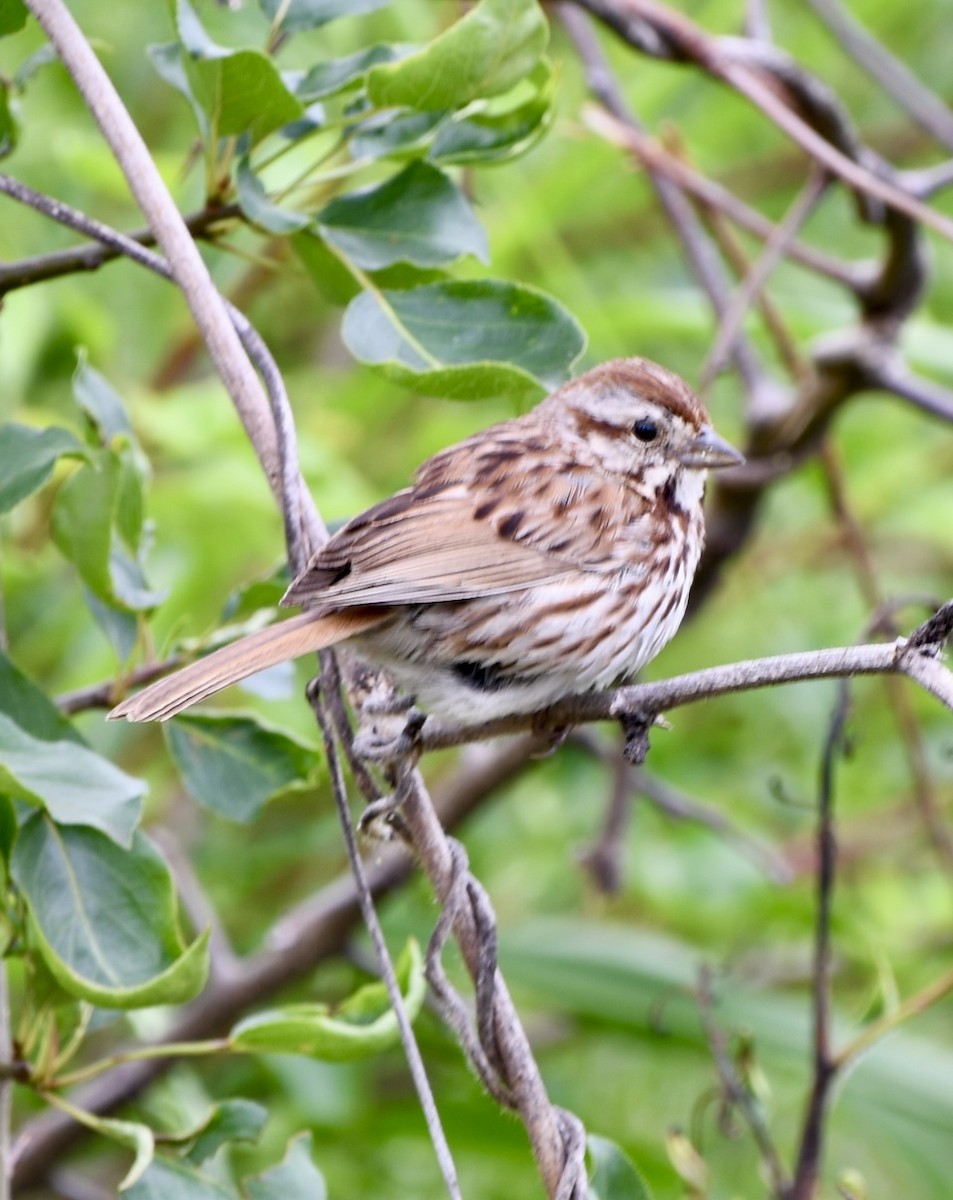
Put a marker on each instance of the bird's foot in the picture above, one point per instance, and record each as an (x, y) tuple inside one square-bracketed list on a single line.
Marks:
[(375, 744), (391, 705), (551, 739)]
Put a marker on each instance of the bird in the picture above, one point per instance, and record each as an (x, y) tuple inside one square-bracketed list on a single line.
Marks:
[(547, 555)]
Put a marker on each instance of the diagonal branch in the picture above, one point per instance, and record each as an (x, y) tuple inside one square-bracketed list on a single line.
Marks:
[(164, 219), (756, 70), (894, 76)]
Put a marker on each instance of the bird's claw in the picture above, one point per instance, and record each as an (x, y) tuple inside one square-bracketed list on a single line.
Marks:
[(373, 745)]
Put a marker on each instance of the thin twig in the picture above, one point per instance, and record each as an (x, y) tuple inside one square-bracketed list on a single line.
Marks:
[(737, 258), (25, 272), (742, 65), (877, 1030), (735, 1089), (751, 286), (603, 859), (652, 154), (698, 249), (103, 695), (418, 1071), (894, 76), (811, 1142), (164, 219)]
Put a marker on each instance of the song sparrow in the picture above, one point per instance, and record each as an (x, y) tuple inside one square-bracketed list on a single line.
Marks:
[(547, 555)]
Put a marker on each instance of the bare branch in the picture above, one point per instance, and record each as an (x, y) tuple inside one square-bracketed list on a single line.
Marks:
[(924, 106), (915, 659), (103, 695), (810, 1148), (712, 194), (385, 965), (164, 219), (699, 251), (754, 69), (25, 272), (730, 323)]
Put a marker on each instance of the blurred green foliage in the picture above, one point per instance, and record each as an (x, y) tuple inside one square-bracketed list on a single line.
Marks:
[(605, 983)]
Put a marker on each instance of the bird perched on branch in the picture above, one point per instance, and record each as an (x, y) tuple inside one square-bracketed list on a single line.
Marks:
[(545, 556)]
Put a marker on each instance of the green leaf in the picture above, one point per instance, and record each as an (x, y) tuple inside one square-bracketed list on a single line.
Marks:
[(169, 61), (613, 1176), (8, 834), (129, 586), (240, 91), (73, 784), (233, 764), (362, 1025), (167, 1180), (295, 1178), (100, 401), (256, 206), (688, 1162), (236, 1120), (104, 918), (329, 78), (256, 596), (419, 216), (298, 15), (466, 339), (498, 137), (83, 519), (121, 628), (489, 50), (131, 1134), (130, 503), (27, 458), (9, 128), (332, 278), (13, 14), (104, 492), (406, 135), (31, 708)]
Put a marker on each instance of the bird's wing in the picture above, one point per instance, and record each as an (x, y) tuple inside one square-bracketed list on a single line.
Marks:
[(461, 532), (434, 551)]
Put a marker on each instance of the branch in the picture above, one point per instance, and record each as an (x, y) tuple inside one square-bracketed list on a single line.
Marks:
[(894, 76), (385, 964), (915, 657), (186, 264), (751, 286), (713, 195), (810, 1149), (701, 255), (25, 272), (754, 70)]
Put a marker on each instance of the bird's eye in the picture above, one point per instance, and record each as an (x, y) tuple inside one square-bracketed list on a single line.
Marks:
[(645, 429)]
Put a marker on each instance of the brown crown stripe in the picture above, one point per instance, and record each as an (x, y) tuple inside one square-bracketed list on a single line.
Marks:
[(656, 384)]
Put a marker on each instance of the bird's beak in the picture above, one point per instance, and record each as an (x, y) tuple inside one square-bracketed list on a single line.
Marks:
[(710, 451)]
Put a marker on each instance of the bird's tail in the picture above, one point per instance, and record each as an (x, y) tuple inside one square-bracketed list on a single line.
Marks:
[(303, 634)]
